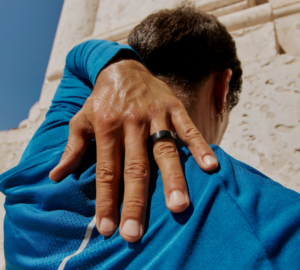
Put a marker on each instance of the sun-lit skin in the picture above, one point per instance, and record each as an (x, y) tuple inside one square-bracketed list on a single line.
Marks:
[(127, 105), (146, 99), (204, 111)]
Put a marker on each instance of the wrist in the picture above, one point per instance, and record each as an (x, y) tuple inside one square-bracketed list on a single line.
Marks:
[(129, 64), (125, 58), (122, 63)]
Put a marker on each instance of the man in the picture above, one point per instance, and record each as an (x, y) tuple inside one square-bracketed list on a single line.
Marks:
[(235, 217)]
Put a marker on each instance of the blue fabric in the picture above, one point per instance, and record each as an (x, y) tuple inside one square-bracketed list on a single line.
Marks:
[(238, 218)]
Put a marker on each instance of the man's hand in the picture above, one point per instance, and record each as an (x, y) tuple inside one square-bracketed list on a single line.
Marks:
[(127, 105)]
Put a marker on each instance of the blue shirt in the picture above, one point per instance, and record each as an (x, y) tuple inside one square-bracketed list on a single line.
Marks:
[(238, 217)]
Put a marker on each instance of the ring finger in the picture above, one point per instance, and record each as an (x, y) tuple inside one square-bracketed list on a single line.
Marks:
[(167, 158)]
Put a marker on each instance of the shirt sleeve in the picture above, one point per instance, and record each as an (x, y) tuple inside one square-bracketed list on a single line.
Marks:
[(83, 64)]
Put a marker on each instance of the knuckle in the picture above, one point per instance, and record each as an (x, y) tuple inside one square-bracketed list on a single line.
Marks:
[(74, 120), (135, 117), (80, 124), (174, 177), (164, 149), (108, 120), (136, 169), (135, 205), (155, 109), (191, 133), (105, 205), (68, 150), (175, 104), (105, 174)]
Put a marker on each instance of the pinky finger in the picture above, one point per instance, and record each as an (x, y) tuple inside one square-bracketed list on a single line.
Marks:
[(194, 140), (75, 149)]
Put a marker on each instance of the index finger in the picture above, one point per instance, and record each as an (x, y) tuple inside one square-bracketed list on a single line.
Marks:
[(192, 137)]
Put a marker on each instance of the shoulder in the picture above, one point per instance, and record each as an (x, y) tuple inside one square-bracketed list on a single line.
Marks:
[(244, 182), (249, 201), (245, 175)]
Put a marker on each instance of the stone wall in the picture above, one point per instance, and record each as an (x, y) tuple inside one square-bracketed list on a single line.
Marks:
[(263, 127)]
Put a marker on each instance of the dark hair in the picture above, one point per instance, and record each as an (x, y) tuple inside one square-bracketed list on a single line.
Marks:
[(183, 46)]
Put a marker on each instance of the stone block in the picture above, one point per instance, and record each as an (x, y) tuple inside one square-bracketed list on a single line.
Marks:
[(264, 128), (12, 144), (288, 33), (256, 42), (208, 5), (281, 3), (286, 10), (230, 9), (47, 94), (125, 12), (76, 22), (249, 17)]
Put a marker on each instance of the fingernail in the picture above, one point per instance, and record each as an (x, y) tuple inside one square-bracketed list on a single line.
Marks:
[(132, 228), (177, 198), (107, 225), (209, 160)]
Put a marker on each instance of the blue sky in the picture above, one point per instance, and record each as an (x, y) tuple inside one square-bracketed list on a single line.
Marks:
[(27, 30)]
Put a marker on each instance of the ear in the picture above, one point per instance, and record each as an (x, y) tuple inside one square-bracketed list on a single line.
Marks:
[(222, 87)]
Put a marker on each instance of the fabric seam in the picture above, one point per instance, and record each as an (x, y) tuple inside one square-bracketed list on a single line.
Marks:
[(247, 221)]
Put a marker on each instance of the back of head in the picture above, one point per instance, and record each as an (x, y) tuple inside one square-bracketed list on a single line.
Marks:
[(183, 46)]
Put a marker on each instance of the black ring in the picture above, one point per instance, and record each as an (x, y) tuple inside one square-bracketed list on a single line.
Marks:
[(163, 134)]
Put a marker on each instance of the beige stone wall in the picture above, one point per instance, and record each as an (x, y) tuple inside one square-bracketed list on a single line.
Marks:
[(263, 127)]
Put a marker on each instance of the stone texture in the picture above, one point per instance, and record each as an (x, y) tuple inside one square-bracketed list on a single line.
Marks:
[(47, 93), (265, 126), (208, 5), (76, 23), (281, 3), (260, 2), (288, 33), (286, 10), (115, 22), (249, 17), (124, 12), (256, 42), (12, 144), (230, 9)]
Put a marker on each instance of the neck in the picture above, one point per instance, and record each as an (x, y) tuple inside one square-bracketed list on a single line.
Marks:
[(202, 110), (204, 114), (204, 117)]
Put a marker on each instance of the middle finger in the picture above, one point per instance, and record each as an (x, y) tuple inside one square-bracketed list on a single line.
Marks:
[(136, 182)]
